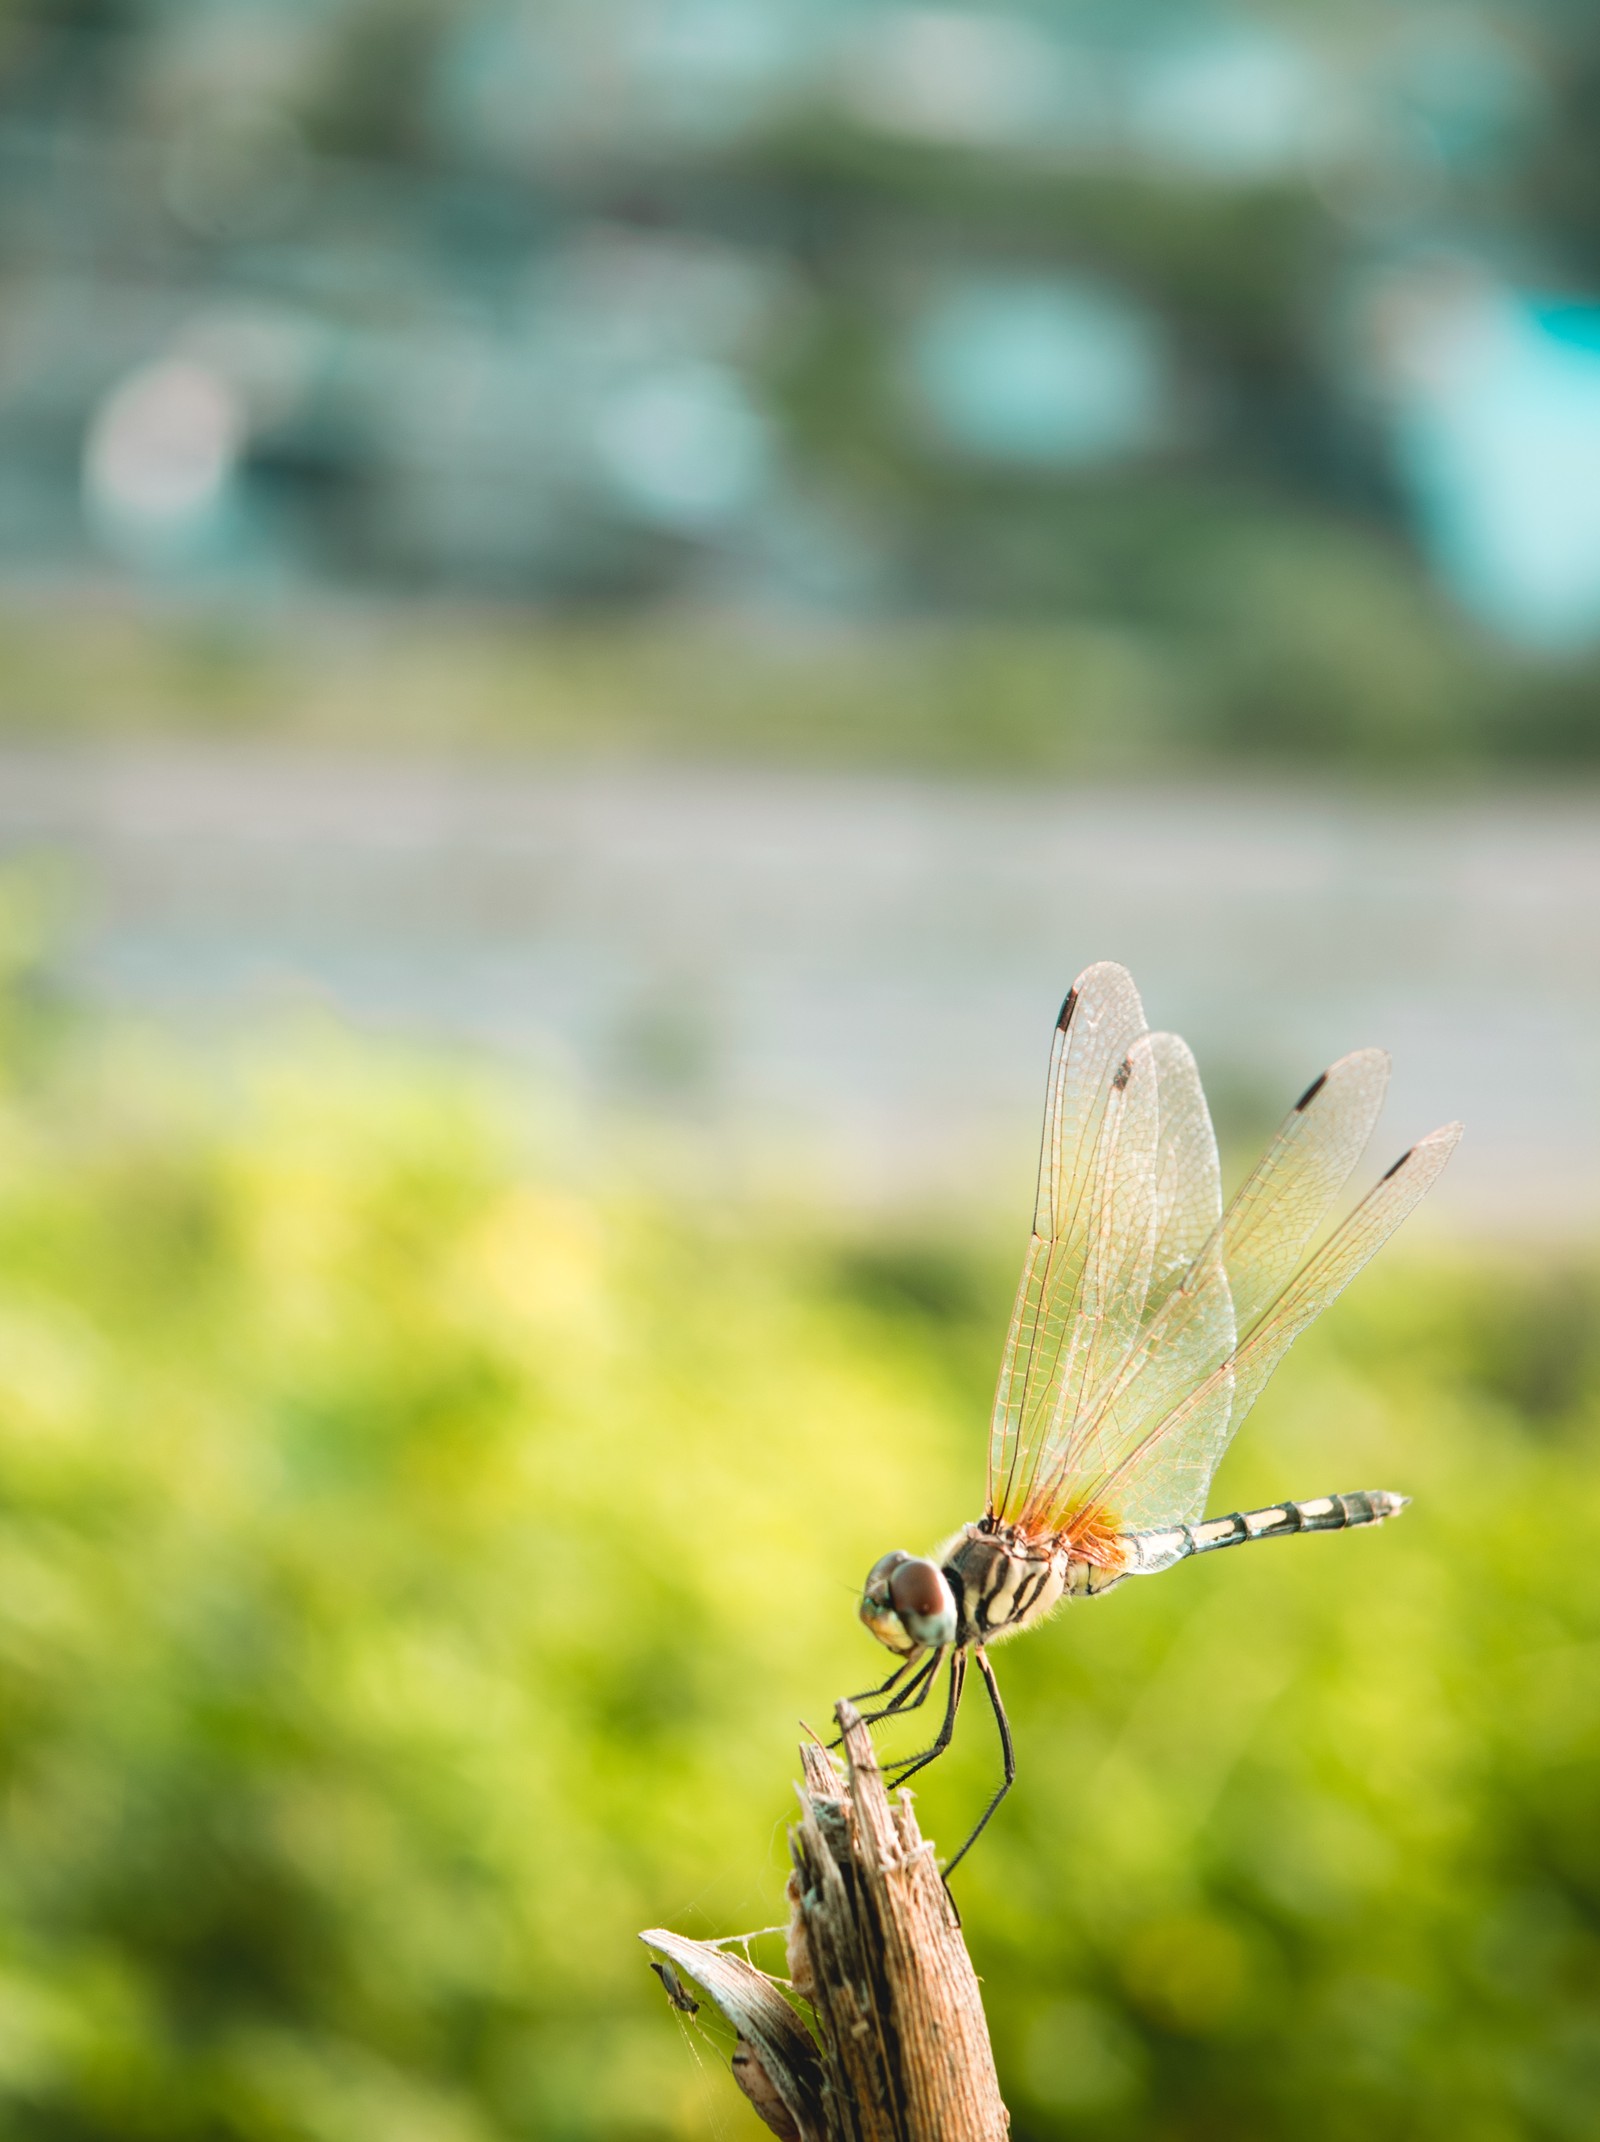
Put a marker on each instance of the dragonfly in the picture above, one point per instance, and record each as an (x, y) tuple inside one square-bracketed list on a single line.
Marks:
[(1148, 1318)]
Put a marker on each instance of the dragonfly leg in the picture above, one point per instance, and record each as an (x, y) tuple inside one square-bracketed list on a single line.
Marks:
[(911, 1697), (871, 1695), (1008, 1757), (908, 1767)]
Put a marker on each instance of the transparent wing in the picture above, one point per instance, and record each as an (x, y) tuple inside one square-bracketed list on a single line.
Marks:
[(1238, 1267), (1159, 1212), (1189, 1179), (1104, 1313), (1162, 1478), (1099, 1023), (1287, 1195)]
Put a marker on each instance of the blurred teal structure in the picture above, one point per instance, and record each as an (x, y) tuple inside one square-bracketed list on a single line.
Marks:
[(741, 305)]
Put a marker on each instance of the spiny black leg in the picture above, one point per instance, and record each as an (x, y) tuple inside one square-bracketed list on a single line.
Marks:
[(909, 1768), (871, 1695), (911, 1697), (1008, 1756)]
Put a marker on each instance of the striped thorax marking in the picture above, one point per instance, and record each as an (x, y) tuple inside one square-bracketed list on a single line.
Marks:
[(1003, 1581)]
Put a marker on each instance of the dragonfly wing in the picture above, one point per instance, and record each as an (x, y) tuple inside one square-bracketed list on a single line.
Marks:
[(1229, 1278), (1163, 1474), (1158, 1215), (1165, 1479), (1287, 1195), (1104, 1317), (1188, 1178), (1100, 1021), (1326, 1275)]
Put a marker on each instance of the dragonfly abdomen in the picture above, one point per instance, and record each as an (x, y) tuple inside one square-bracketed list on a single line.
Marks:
[(1152, 1551)]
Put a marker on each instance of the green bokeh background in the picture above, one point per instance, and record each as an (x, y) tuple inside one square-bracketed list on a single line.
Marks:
[(429, 1505), (417, 1555)]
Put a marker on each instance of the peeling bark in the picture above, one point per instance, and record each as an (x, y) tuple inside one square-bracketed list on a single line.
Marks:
[(900, 2050)]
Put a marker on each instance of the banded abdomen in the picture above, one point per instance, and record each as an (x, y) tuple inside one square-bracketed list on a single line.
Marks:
[(1152, 1551), (1004, 1581)]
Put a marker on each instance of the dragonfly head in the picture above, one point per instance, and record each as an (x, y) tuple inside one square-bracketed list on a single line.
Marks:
[(908, 1605)]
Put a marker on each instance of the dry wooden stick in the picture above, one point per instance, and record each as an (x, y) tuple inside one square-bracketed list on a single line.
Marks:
[(901, 2052)]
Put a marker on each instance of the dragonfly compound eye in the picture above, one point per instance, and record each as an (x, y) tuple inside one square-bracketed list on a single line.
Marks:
[(907, 1604), (877, 1608), (876, 1587), (924, 1602)]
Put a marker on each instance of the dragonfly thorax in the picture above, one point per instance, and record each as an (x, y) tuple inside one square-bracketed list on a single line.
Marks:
[(991, 1580), (1005, 1581)]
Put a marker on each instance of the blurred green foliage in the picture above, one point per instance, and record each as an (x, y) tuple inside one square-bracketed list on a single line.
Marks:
[(1245, 651), (416, 1553)]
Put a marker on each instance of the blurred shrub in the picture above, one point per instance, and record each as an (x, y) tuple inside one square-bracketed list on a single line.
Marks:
[(413, 1564), (1195, 641)]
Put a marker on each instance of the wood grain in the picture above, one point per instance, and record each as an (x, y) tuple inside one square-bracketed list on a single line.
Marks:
[(898, 2048)]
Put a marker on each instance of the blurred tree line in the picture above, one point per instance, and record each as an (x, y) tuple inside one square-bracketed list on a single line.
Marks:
[(1036, 317)]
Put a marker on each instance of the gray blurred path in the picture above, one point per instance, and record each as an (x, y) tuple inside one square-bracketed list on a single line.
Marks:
[(865, 972)]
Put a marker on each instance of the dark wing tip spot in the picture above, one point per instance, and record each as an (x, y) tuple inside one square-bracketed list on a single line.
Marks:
[(1123, 1073), (1311, 1092), (1399, 1164), (1069, 1006)]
